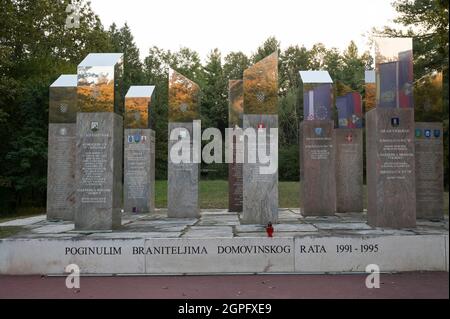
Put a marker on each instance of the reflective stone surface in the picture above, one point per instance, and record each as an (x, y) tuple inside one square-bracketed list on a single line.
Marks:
[(137, 107), (63, 99), (394, 72), (100, 83), (317, 95), (349, 107), (370, 90), (428, 93), (235, 102), (261, 86), (184, 98)]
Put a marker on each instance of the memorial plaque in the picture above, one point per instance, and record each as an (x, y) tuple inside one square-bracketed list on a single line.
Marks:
[(390, 138), (61, 172), (184, 98), (317, 95), (429, 154), (99, 171), (139, 174), (317, 168), (260, 186), (260, 195), (61, 149), (236, 110), (391, 168), (183, 179), (139, 152), (317, 146), (100, 83), (349, 170)]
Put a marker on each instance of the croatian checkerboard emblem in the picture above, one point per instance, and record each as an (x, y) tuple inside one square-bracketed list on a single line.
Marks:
[(260, 96), (63, 108), (183, 107)]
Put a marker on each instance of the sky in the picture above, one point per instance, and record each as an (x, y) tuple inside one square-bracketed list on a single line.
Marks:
[(243, 25)]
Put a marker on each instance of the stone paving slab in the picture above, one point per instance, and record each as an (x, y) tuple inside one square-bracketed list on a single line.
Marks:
[(349, 226), (24, 221), (129, 235), (221, 223), (53, 229)]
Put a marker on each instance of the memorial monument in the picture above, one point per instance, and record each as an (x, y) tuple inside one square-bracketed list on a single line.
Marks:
[(99, 150), (183, 176), (139, 151), (429, 148), (316, 144), (260, 187), (235, 118), (349, 154), (61, 148), (390, 138)]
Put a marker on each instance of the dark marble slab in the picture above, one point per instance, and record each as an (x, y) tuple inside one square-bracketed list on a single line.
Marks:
[(99, 153), (429, 151), (349, 170), (260, 190), (139, 170), (391, 168), (61, 172), (317, 168), (183, 179)]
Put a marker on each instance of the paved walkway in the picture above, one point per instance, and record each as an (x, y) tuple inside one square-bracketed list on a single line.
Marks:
[(402, 285)]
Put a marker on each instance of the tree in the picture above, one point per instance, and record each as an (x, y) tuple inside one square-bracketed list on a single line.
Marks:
[(234, 66), (35, 48), (427, 22), (123, 42)]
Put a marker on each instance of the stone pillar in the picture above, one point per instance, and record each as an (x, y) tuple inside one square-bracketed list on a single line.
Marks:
[(349, 170), (235, 117), (139, 152), (260, 188), (390, 138), (99, 150), (391, 168), (429, 154), (349, 154), (317, 168), (183, 177), (317, 146), (61, 149), (99, 171)]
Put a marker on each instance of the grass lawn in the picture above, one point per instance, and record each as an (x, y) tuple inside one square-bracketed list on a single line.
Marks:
[(213, 194)]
